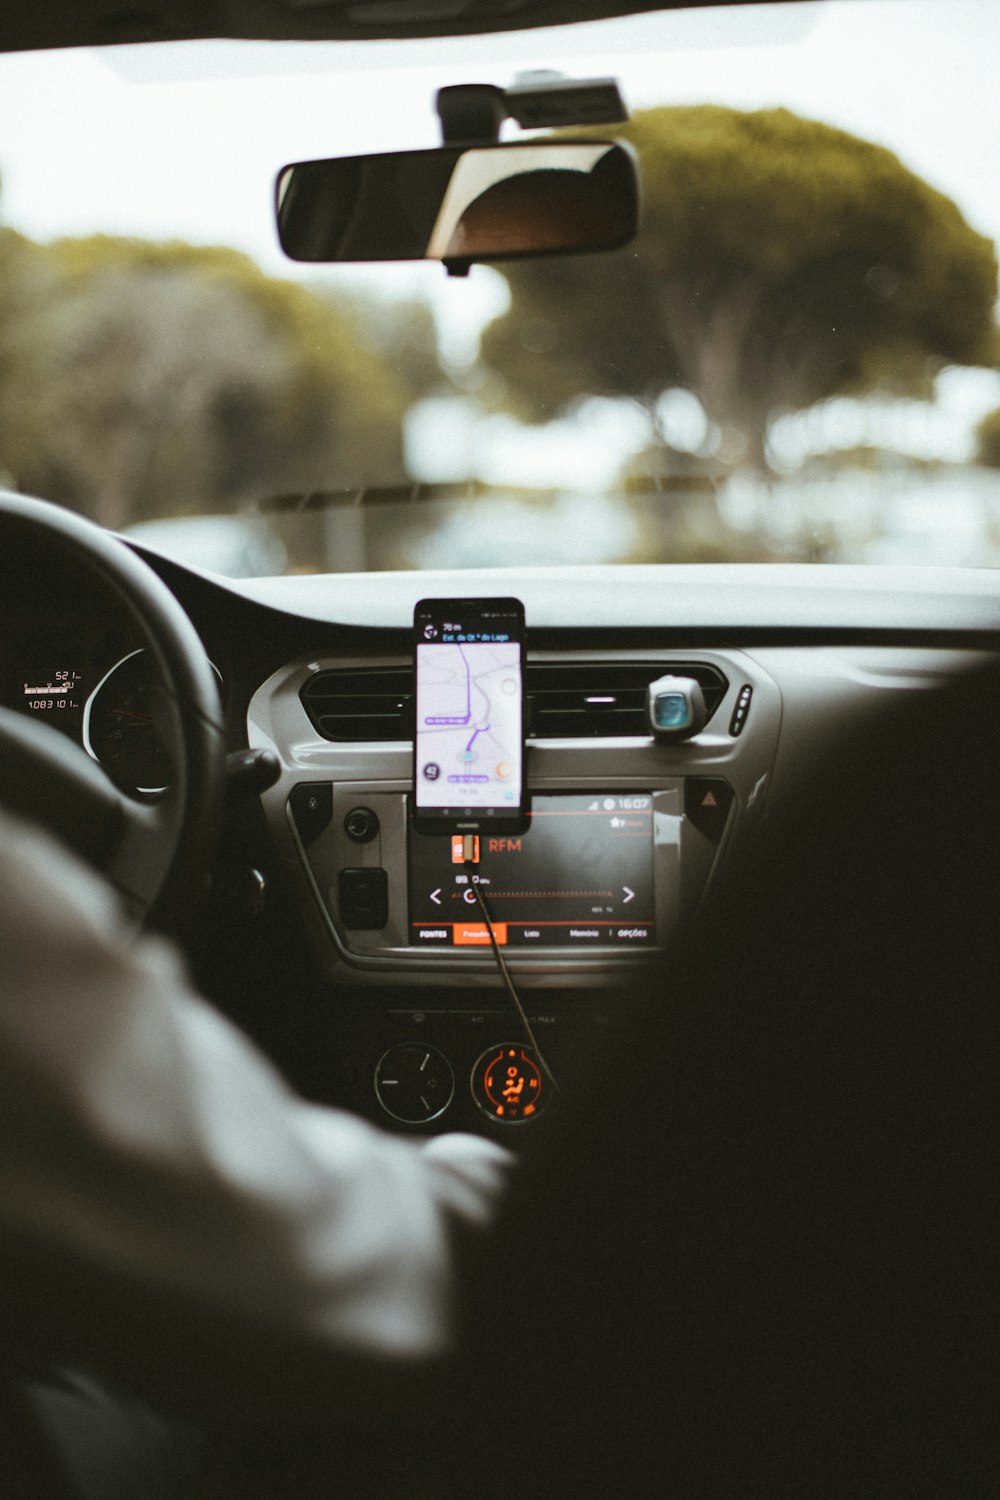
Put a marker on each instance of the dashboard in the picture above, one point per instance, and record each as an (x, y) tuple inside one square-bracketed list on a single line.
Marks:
[(349, 943), (621, 839)]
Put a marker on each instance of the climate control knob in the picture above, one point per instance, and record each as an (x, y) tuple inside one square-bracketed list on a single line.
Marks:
[(507, 1084), (414, 1083)]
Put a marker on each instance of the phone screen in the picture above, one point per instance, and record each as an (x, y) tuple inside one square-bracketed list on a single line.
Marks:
[(469, 732)]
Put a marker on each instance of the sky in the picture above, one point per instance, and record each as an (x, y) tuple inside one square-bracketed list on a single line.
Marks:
[(184, 140)]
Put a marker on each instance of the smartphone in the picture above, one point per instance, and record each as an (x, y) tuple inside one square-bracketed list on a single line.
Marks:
[(468, 742)]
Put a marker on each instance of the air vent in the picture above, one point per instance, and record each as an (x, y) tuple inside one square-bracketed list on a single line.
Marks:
[(361, 703), (584, 699), (566, 700)]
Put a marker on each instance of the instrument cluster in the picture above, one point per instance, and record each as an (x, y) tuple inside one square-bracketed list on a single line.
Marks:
[(88, 680)]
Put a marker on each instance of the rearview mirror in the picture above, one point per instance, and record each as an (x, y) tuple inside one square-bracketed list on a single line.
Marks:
[(459, 204)]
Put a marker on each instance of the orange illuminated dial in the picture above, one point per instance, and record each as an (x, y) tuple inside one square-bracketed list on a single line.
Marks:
[(507, 1084)]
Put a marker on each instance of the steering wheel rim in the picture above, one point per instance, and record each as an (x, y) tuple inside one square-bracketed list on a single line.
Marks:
[(156, 853)]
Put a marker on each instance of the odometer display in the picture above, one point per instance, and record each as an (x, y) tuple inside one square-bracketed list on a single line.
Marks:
[(53, 693)]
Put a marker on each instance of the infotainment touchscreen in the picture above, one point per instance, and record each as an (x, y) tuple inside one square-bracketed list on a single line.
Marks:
[(581, 875)]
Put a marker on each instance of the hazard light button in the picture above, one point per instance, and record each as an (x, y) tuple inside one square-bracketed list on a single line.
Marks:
[(707, 801)]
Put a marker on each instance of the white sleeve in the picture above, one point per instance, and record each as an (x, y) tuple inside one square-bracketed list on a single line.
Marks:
[(145, 1135)]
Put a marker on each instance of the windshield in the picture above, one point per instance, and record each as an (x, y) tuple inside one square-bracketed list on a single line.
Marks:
[(796, 360)]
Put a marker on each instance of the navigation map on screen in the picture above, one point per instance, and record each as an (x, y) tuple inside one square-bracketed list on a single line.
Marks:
[(469, 724)]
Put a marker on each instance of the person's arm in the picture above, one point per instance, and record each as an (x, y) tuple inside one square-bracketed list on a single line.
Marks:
[(145, 1136)]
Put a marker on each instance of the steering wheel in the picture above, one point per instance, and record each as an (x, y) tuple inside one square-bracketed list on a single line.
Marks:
[(155, 852)]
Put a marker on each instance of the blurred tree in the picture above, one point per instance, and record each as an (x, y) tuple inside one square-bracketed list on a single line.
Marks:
[(402, 331), (18, 260), (141, 379), (780, 261), (988, 440)]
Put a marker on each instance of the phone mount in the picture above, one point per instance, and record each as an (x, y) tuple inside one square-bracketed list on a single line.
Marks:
[(472, 114)]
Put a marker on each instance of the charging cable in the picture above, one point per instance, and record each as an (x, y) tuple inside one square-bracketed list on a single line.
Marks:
[(469, 844)]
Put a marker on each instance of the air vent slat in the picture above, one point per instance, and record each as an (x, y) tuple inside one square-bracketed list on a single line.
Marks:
[(600, 699), (361, 704), (566, 700)]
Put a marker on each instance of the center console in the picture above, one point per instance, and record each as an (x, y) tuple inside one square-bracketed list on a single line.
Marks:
[(620, 847)]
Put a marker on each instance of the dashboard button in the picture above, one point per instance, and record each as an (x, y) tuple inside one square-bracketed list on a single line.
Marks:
[(311, 804), (707, 800), (741, 710), (361, 825), (363, 899), (408, 1019), (476, 934)]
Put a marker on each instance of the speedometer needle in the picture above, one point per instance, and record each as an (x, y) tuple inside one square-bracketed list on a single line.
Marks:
[(126, 713)]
